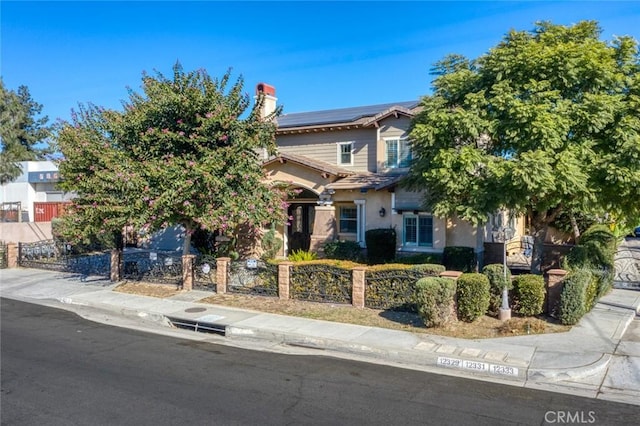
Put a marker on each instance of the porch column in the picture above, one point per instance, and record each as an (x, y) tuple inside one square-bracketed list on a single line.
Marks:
[(324, 228)]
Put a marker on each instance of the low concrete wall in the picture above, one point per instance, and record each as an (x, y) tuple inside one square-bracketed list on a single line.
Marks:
[(25, 232)]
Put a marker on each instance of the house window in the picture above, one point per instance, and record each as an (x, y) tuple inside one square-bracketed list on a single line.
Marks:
[(418, 230), (348, 219), (345, 153), (398, 153)]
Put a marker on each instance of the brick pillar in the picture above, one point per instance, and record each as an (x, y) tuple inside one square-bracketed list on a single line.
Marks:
[(284, 273), (222, 274), (358, 283), (12, 255), (116, 265), (554, 280), (187, 271)]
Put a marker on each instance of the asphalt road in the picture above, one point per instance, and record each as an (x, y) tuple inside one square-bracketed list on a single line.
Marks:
[(59, 369)]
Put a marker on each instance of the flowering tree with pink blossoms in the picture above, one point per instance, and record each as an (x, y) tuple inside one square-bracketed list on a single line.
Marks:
[(185, 152)]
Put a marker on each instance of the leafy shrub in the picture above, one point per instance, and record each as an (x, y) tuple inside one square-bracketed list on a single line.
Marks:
[(343, 250), (495, 273), (473, 296), (415, 259), (573, 299), (429, 269), (392, 285), (301, 256), (381, 245), (596, 249), (434, 298), (461, 259), (271, 244), (529, 294)]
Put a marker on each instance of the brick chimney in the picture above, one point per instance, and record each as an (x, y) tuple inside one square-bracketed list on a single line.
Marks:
[(269, 102)]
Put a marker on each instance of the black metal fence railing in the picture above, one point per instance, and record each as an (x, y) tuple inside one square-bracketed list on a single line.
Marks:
[(153, 266), (391, 290), (57, 257), (321, 283), (204, 273), (4, 258), (253, 277)]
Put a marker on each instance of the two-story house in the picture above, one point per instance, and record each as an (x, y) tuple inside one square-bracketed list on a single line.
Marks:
[(346, 164)]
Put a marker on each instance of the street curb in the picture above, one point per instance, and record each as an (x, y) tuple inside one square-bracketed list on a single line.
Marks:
[(558, 374)]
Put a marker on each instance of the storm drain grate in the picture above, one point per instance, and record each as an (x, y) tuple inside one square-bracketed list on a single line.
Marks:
[(198, 326)]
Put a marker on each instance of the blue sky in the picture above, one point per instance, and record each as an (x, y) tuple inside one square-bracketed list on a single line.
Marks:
[(318, 55)]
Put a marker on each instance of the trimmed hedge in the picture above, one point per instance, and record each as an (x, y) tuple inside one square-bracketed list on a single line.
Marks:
[(435, 300), (472, 296), (461, 259), (529, 292), (343, 250), (495, 273), (381, 245), (573, 300), (392, 286)]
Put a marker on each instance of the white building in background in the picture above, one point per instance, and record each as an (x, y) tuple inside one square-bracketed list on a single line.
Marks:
[(36, 184)]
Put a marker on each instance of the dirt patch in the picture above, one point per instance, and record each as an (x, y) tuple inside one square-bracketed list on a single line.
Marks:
[(483, 327)]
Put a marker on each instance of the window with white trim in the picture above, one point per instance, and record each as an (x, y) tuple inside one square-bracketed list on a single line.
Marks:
[(345, 153), (348, 219), (398, 153), (417, 230)]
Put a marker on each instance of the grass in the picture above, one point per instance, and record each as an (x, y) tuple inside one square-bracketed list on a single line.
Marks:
[(483, 327)]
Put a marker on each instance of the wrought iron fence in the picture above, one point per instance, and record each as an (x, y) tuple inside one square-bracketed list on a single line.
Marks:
[(391, 289), (4, 261), (253, 277), (153, 266), (321, 283), (58, 257), (204, 273)]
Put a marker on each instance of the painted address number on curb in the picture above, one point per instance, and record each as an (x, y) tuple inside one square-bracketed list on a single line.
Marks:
[(502, 370)]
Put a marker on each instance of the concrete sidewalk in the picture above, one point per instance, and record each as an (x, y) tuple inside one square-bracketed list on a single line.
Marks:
[(599, 358)]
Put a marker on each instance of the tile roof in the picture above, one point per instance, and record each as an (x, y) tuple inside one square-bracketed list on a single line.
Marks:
[(342, 115), (321, 166), (366, 181)]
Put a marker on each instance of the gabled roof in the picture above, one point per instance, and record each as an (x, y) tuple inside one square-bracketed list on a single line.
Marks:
[(359, 116), (366, 181), (318, 165)]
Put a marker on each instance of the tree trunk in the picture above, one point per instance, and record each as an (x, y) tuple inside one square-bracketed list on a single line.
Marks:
[(188, 231), (537, 256), (574, 227)]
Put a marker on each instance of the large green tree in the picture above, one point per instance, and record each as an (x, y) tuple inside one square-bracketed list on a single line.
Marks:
[(21, 131), (547, 121), (184, 151)]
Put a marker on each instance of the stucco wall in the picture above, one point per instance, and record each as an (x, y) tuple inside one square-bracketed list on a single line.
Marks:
[(25, 232)]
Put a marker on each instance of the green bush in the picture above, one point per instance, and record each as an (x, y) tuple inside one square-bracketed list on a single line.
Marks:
[(495, 273), (573, 299), (434, 298), (301, 256), (472, 295), (392, 285), (381, 245), (461, 259), (529, 294), (271, 244), (419, 258), (596, 249), (343, 250), (428, 269)]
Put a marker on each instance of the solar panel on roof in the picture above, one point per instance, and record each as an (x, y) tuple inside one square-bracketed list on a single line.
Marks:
[(341, 115)]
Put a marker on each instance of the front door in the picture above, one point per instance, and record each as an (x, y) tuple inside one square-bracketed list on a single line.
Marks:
[(301, 227)]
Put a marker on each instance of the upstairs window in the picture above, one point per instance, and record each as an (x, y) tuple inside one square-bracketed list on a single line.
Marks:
[(345, 153), (398, 152)]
